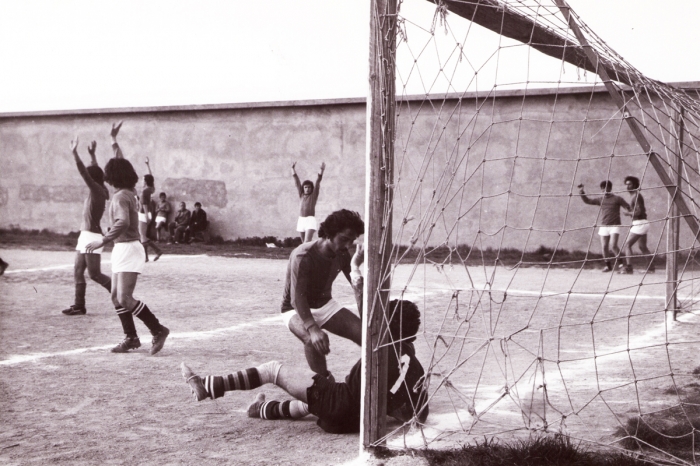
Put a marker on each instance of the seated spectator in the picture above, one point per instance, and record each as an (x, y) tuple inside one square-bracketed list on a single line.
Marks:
[(179, 226), (162, 213), (198, 223)]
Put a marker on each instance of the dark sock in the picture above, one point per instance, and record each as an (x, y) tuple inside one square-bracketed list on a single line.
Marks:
[(142, 312), (80, 295), (127, 320)]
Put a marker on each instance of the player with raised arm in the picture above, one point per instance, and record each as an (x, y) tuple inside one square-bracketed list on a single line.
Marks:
[(308, 307), (128, 256), (336, 404), (609, 229), (640, 226), (145, 213), (308, 195), (90, 230)]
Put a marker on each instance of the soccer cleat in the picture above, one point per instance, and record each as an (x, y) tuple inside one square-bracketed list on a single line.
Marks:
[(195, 383), (74, 311), (254, 408), (157, 256), (159, 340), (606, 269), (626, 270), (129, 343), (3, 266)]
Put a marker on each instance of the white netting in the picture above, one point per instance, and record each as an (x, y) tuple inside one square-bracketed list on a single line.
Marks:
[(521, 330)]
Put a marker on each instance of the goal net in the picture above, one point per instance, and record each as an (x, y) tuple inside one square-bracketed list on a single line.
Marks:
[(503, 109)]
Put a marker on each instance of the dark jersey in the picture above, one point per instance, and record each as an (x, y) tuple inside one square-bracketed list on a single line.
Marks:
[(94, 206), (338, 405), (610, 205), (639, 211), (312, 274)]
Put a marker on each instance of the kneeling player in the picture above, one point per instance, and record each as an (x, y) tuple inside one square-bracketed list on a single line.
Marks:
[(336, 404)]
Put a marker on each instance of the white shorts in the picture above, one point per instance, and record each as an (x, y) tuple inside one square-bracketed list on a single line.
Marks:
[(607, 231), (320, 315), (306, 223), (160, 219), (640, 227), (128, 257), (85, 238), (145, 218)]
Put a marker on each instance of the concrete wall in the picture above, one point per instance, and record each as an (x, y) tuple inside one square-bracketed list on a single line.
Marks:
[(500, 172)]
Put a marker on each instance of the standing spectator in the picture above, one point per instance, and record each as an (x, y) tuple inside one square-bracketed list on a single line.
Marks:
[(179, 226), (90, 230), (609, 230), (162, 214), (308, 195), (145, 214), (198, 223), (640, 226)]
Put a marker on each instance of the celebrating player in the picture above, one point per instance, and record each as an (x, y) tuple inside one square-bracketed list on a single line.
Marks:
[(640, 226), (128, 255), (609, 231), (90, 230), (308, 308), (308, 195), (336, 404), (145, 213)]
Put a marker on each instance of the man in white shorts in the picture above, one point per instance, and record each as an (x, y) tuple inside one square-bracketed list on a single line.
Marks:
[(308, 307), (128, 255), (308, 196), (640, 226), (609, 216), (90, 230), (162, 214)]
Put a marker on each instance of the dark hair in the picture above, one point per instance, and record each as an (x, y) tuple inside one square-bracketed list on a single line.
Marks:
[(148, 179), (634, 180), (404, 320), (198, 204), (606, 185), (308, 183), (339, 221), (96, 173), (162, 194), (120, 174)]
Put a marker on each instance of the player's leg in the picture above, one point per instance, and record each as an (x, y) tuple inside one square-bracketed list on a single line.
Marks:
[(94, 269), (613, 244), (271, 410), (604, 244), (315, 359), (345, 324), (78, 306), (631, 240), (309, 235), (131, 339), (645, 251), (125, 295)]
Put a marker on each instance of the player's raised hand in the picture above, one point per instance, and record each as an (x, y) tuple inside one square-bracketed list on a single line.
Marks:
[(74, 145), (115, 128), (91, 148), (323, 167)]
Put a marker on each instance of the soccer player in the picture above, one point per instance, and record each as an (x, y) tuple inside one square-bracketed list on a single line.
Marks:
[(162, 213), (336, 404), (90, 230), (145, 214), (128, 255), (609, 231), (640, 226), (308, 308), (308, 195)]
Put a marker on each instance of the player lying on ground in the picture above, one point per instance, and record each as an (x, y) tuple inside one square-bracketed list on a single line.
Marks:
[(90, 230), (145, 215), (640, 226), (336, 404), (308, 308), (308, 196), (609, 214), (128, 255)]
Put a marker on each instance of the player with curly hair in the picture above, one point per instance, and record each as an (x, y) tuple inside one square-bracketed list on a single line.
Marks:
[(308, 196)]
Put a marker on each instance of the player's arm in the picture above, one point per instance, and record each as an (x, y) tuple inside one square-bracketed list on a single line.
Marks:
[(92, 184), (149, 167), (624, 204), (586, 199), (91, 150), (297, 182), (299, 285), (317, 187), (120, 225), (113, 134)]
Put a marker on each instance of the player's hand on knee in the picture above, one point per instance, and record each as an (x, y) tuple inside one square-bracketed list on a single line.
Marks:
[(319, 340)]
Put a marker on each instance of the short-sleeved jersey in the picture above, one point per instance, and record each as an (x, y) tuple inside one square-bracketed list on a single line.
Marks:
[(340, 411), (610, 205), (312, 274), (639, 211), (124, 217)]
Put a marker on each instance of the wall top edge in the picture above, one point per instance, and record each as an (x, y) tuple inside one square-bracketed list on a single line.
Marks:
[(503, 93)]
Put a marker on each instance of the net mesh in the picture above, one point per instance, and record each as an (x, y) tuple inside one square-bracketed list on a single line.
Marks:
[(522, 331)]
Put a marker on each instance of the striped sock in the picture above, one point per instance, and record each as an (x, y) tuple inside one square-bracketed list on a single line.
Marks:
[(290, 409), (247, 379), (151, 321)]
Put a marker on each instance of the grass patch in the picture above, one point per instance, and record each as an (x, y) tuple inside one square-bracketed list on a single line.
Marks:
[(554, 450)]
